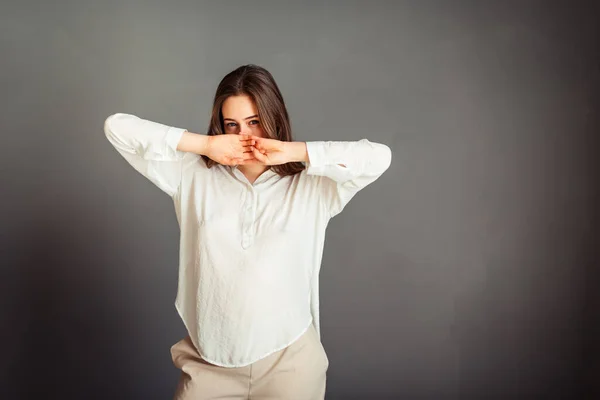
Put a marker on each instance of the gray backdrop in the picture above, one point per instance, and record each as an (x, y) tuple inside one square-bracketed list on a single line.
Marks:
[(466, 271)]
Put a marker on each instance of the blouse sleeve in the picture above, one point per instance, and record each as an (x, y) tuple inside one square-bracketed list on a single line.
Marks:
[(345, 168), (149, 147)]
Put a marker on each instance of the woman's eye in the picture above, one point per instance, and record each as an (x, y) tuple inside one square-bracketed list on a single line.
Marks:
[(232, 124)]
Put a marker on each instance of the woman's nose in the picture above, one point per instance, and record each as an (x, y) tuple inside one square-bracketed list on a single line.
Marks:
[(244, 130)]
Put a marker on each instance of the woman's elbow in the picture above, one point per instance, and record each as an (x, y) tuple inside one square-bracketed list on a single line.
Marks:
[(384, 157), (117, 129)]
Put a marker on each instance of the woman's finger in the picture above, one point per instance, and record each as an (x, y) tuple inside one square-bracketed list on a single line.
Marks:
[(244, 146), (259, 156)]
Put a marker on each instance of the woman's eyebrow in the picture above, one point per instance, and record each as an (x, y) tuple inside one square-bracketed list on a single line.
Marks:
[(231, 119)]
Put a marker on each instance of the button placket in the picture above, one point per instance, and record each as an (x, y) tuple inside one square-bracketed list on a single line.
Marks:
[(247, 228)]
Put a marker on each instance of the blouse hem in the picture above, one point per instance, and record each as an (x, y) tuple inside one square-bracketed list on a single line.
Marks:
[(261, 357)]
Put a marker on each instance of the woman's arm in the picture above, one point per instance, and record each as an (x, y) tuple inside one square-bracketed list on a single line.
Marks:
[(150, 148), (157, 151), (349, 167), (346, 167)]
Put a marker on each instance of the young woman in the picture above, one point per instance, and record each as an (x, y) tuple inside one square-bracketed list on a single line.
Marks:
[(252, 206)]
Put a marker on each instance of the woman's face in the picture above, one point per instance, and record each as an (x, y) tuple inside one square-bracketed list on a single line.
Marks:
[(240, 116)]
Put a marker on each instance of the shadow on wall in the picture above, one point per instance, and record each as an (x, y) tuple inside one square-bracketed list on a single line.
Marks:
[(66, 338)]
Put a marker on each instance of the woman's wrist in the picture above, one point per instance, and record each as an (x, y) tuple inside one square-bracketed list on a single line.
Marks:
[(295, 151), (194, 143)]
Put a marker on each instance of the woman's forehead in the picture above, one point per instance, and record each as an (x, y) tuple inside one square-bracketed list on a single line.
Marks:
[(239, 107)]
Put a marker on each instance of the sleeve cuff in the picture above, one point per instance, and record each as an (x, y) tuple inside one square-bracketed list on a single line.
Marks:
[(173, 137), (316, 158)]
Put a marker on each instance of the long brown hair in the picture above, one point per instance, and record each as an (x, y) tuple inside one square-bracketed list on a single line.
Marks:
[(258, 84)]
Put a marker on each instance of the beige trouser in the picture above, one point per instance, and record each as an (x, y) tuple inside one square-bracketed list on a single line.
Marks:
[(297, 372)]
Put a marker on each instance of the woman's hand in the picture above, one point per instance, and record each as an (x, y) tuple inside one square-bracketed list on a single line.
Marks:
[(269, 151), (273, 152), (231, 149)]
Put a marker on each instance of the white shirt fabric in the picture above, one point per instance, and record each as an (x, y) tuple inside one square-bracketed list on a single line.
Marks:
[(250, 254)]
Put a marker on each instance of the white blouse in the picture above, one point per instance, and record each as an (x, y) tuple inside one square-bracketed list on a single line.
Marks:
[(249, 254)]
